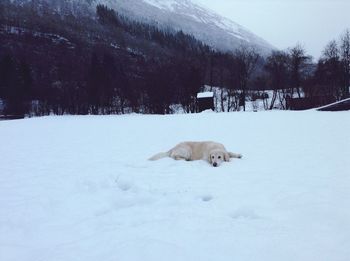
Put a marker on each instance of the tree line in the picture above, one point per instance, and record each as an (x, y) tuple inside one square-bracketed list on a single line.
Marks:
[(293, 72), (77, 62)]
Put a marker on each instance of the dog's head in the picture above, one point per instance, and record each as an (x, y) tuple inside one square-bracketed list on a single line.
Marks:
[(216, 157)]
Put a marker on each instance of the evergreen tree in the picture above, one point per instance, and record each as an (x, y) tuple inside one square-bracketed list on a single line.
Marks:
[(15, 86), (106, 15), (93, 84)]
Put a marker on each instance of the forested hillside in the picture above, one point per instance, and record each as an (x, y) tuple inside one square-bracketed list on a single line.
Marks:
[(82, 62)]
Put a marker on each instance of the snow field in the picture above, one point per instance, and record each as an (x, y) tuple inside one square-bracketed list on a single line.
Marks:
[(81, 188)]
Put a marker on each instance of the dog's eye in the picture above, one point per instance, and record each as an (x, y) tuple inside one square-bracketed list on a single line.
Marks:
[(219, 157), (212, 157)]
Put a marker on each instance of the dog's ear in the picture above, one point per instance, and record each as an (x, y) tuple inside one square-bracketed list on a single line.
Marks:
[(209, 159), (226, 156)]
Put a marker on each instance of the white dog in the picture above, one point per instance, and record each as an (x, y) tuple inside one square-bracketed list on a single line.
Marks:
[(213, 152)]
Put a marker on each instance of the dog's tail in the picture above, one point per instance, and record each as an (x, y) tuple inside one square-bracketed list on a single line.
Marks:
[(160, 156), (235, 155)]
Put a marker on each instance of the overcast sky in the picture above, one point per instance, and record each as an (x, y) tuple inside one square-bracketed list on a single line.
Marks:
[(284, 23)]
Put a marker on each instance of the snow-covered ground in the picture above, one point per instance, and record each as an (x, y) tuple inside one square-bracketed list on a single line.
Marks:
[(81, 188)]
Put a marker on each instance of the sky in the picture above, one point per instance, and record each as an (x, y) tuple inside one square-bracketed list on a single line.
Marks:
[(285, 23)]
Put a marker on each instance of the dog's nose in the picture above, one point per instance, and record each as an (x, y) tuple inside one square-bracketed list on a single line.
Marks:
[(215, 164)]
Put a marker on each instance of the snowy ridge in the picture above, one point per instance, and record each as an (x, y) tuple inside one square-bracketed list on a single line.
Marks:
[(162, 4)]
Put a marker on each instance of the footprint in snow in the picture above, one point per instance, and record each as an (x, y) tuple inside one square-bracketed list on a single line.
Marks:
[(123, 184), (206, 198), (244, 213)]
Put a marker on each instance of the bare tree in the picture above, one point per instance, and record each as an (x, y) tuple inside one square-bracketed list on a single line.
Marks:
[(277, 69), (332, 68), (246, 59), (331, 50), (345, 60), (298, 64)]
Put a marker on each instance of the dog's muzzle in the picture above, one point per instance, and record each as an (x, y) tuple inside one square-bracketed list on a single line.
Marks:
[(215, 164)]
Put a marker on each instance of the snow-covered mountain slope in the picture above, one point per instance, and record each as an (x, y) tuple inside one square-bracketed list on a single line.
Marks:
[(207, 26), (81, 188)]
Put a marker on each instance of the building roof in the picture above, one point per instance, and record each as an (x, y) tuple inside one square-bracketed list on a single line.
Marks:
[(343, 105), (205, 95)]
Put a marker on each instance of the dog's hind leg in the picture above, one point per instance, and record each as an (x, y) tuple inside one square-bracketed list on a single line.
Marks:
[(181, 154)]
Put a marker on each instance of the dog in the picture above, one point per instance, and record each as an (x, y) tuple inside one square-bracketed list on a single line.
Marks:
[(212, 152)]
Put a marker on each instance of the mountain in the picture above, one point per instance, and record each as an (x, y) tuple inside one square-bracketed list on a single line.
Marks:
[(206, 25)]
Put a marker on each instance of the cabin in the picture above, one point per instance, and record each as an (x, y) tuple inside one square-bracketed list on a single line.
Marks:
[(205, 101), (5, 116)]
